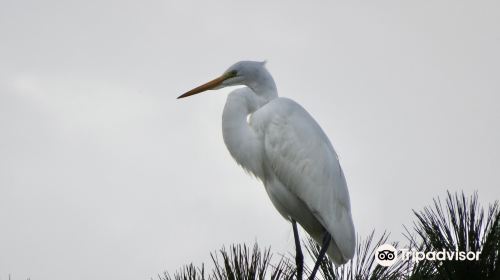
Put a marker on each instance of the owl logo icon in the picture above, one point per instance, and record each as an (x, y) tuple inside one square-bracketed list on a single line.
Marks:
[(386, 255)]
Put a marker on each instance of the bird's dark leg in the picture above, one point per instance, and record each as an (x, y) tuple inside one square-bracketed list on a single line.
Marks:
[(322, 252), (299, 258)]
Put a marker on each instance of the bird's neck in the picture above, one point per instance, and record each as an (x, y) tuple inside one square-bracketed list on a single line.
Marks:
[(264, 88), (241, 140)]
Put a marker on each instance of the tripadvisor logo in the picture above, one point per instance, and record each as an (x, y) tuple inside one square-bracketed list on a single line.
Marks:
[(387, 255)]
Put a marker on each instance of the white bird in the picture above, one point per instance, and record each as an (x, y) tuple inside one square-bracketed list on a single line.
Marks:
[(277, 140)]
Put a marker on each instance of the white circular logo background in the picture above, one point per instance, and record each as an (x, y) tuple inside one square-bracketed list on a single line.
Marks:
[(386, 255)]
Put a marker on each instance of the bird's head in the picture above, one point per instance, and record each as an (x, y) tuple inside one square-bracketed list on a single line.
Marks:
[(252, 74)]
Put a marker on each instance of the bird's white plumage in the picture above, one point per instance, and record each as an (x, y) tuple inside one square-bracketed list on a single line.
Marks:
[(281, 144), (285, 147), (302, 159)]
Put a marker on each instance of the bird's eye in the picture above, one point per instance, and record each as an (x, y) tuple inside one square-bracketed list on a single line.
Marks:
[(233, 73)]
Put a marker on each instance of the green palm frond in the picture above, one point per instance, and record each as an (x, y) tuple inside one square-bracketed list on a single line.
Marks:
[(460, 225), (187, 272), (239, 262), (243, 263)]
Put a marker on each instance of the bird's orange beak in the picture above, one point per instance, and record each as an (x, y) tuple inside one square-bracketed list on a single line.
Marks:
[(207, 86)]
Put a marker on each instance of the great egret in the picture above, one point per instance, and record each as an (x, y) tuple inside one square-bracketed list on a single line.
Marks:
[(279, 142)]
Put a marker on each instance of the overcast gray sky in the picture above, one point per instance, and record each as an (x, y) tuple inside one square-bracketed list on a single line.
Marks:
[(105, 175)]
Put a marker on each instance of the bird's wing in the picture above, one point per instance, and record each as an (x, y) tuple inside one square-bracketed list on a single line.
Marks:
[(303, 159)]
